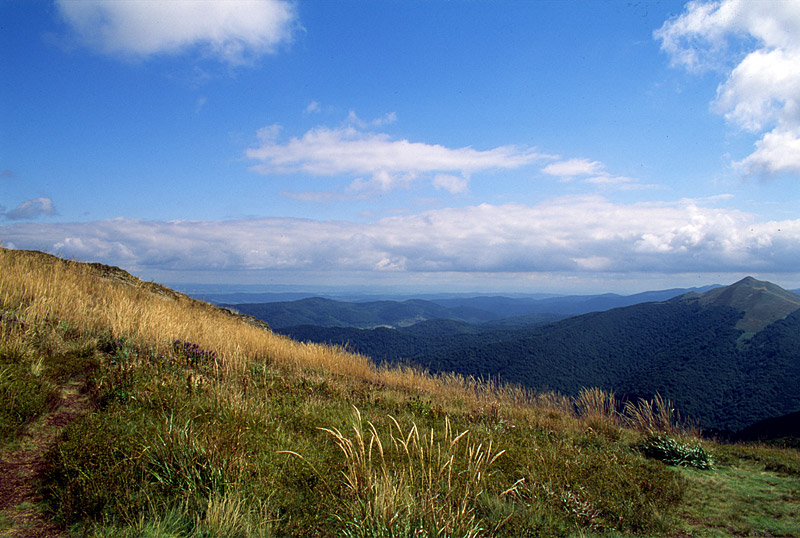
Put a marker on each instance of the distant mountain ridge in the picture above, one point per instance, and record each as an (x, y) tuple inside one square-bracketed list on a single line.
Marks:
[(728, 356), (330, 313), (686, 349), (567, 305), (326, 312)]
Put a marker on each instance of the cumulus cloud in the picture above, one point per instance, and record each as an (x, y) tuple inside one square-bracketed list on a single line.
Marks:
[(31, 209), (230, 30), (386, 162), (571, 234), (757, 46)]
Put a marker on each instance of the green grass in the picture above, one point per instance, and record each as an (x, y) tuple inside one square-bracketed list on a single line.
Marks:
[(191, 440), (5, 522), (741, 500), (27, 388), (163, 444)]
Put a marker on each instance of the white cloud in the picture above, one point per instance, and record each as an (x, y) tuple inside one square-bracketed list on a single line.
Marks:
[(312, 107), (778, 151), (450, 183), (757, 45), (576, 235), (354, 121), (592, 172), (609, 180), (573, 167), (231, 30), (388, 163), (31, 209)]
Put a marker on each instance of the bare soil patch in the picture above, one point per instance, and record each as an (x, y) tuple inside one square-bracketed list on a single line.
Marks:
[(20, 468)]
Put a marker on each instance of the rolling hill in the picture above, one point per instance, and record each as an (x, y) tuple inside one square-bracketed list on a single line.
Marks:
[(127, 409), (728, 357), (688, 349), (330, 313), (498, 311)]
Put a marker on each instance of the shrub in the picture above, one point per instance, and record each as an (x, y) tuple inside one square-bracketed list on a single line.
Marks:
[(671, 452), (95, 469)]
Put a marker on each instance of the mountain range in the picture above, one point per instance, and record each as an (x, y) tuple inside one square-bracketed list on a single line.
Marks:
[(514, 311), (727, 357)]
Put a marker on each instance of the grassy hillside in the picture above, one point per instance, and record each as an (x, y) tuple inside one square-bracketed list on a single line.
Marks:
[(198, 422)]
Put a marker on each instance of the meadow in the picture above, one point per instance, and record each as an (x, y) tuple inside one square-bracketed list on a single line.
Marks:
[(201, 422)]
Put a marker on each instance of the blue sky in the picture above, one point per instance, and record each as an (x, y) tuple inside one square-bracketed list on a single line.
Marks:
[(432, 146)]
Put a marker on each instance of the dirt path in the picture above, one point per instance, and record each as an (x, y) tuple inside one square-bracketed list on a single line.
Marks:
[(19, 501)]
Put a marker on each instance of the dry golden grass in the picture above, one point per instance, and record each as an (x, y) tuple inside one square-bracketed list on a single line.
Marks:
[(596, 405), (407, 481), (94, 299), (657, 417), (91, 300)]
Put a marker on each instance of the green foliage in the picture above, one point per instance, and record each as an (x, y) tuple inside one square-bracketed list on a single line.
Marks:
[(95, 471), (24, 396), (771, 458), (585, 484), (25, 391), (672, 452), (182, 465)]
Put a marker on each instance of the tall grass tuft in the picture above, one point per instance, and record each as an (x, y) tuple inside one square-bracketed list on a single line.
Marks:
[(596, 405), (654, 416), (230, 515), (184, 464), (409, 484)]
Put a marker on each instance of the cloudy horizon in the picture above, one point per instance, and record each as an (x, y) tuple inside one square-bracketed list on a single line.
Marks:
[(544, 147)]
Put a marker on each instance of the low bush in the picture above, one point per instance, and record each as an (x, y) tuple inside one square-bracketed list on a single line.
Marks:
[(672, 452)]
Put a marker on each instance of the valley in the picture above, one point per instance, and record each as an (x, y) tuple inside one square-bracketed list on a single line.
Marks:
[(721, 353)]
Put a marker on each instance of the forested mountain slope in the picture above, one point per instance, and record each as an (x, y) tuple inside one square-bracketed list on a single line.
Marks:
[(500, 310), (727, 357), (688, 349), (330, 313)]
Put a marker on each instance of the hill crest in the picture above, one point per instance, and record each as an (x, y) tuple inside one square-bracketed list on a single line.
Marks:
[(761, 302)]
